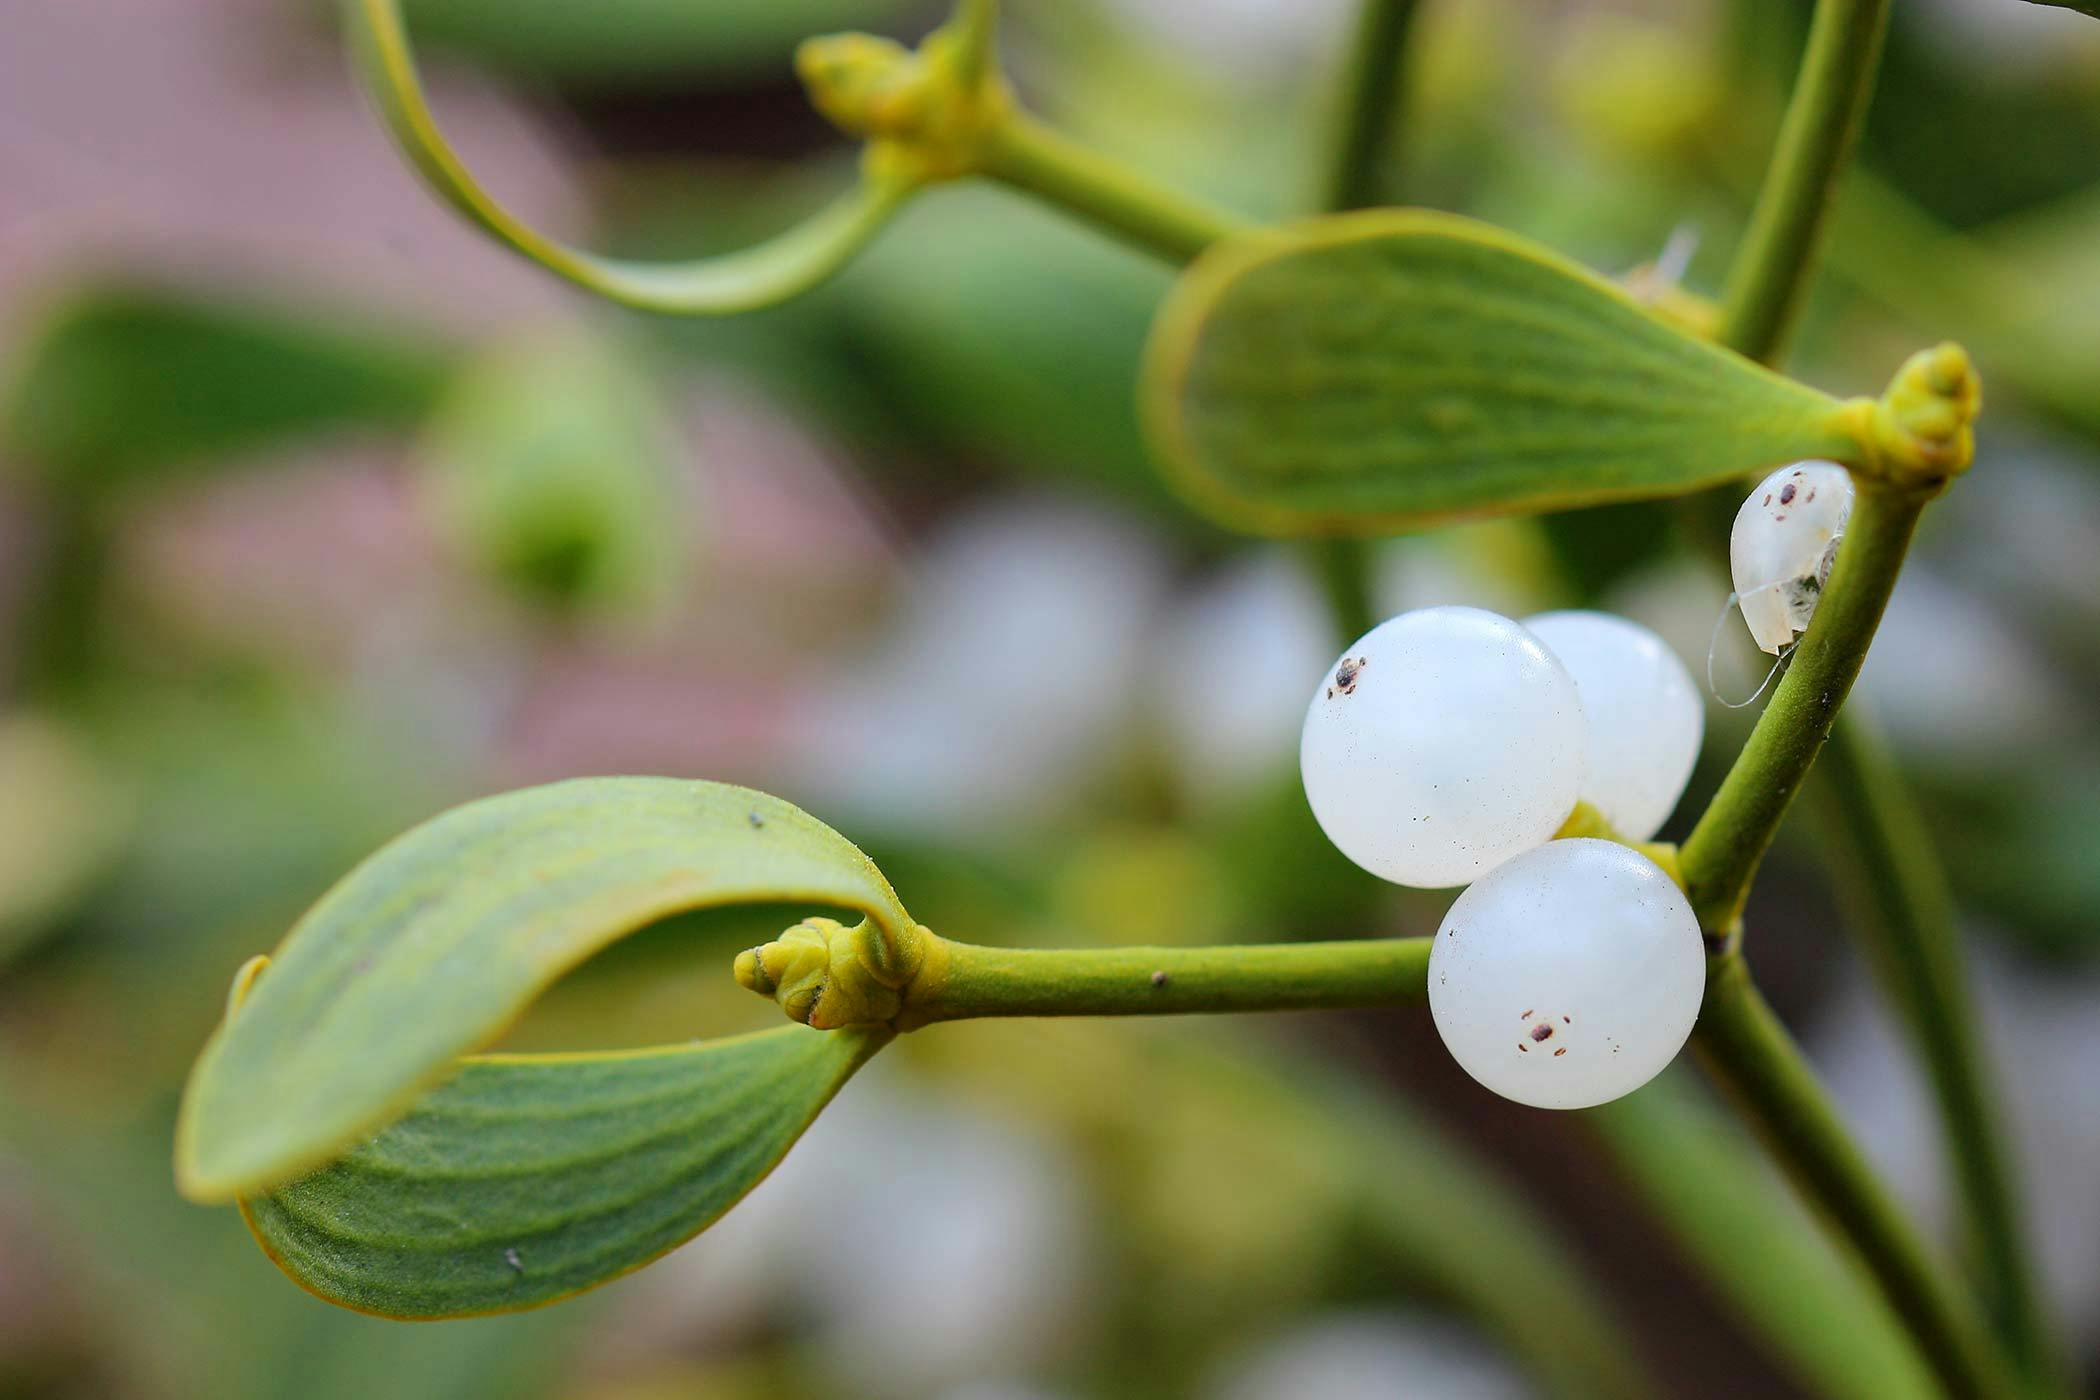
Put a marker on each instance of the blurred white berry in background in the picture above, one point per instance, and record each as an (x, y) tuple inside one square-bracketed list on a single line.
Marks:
[(1960, 681), (1250, 38), (2041, 1027), (1499, 565), (890, 1237), (1440, 744), (1366, 1355), (1782, 546), (962, 722), (1568, 976), (1644, 715), (1252, 631)]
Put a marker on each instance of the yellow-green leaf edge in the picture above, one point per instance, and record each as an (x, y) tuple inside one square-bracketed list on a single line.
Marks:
[(818, 1063)]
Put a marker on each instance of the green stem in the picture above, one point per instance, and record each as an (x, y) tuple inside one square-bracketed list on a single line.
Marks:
[(1371, 91), (1357, 168), (1031, 156), (1344, 568), (1897, 899), (61, 628), (1901, 904), (1750, 1053), (963, 980), (1820, 1314), (1720, 858), (1770, 273), (975, 27)]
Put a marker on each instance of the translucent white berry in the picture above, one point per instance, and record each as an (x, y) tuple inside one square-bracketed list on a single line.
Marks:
[(1445, 741), (1569, 976), (1782, 546), (1644, 715)]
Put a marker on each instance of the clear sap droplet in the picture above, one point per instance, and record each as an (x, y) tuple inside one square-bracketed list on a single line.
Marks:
[(1782, 546), (1713, 644)]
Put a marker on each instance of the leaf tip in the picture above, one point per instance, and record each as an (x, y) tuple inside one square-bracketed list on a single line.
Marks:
[(244, 982), (198, 1177), (201, 1174)]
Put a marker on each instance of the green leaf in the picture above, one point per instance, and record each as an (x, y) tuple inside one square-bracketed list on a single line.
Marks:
[(1397, 368), (126, 383), (434, 945), (772, 271), (532, 1177)]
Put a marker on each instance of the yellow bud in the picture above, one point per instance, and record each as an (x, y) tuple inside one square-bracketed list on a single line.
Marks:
[(855, 80), (1921, 431), (924, 113), (823, 974)]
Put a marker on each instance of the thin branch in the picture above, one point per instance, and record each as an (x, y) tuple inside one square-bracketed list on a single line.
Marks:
[(1900, 908), (1770, 274), (1721, 856), (1903, 913), (1023, 152), (1363, 141), (964, 980), (1756, 1061), (1358, 174)]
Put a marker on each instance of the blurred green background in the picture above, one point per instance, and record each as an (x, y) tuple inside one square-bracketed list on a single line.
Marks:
[(318, 514)]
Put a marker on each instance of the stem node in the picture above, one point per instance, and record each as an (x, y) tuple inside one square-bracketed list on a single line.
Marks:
[(827, 975), (1920, 434), (925, 113)]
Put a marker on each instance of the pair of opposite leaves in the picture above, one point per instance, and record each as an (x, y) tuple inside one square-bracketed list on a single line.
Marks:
[(1377, 370)]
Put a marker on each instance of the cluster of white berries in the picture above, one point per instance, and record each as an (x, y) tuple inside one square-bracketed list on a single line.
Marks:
[(1446, 747)]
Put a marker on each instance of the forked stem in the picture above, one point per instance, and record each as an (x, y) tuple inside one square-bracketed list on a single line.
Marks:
[(1897, 902), (1721, 856), (1901, 908), (1749, 1052)]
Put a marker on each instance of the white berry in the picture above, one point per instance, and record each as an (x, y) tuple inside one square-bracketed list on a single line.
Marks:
[(1643, 713), (1781, 549), (1445, 741), (1569, 976)]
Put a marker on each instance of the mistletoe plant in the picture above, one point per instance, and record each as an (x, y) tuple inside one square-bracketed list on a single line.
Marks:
[(1358, 373)]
